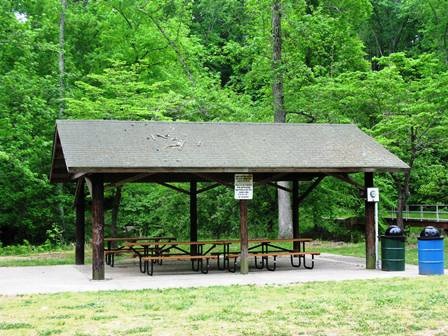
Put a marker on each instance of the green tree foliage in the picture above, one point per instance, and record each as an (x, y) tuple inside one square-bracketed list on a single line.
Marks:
[(380, 64)]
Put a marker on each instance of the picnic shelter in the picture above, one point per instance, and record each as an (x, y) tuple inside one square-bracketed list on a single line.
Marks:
[(108, 153)]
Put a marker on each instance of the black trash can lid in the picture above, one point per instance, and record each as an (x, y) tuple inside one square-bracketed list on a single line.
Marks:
[(394, 231), (430, 232)]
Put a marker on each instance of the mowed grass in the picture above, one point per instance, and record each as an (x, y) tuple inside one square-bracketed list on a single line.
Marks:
[(358, 249), (64, 257), (416, 306)]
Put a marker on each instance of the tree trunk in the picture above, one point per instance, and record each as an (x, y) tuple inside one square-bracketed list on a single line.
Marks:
[(277, 86), (404, 185), (400, 205), (59, 188), (284, 197), (62, 60)]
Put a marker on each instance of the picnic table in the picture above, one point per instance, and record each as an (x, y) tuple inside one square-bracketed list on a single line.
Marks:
[(156, 252), (151, 253), (270, 248), (110, 251)]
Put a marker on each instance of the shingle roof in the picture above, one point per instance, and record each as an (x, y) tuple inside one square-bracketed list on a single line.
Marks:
[(127, 146)]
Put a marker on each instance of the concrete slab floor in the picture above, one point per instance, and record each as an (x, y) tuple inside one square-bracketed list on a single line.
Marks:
[(176, 274)]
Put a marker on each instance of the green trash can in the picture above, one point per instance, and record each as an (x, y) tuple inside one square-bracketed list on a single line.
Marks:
[(393, 249)]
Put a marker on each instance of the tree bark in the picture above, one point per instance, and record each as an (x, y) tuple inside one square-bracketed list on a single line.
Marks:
[(403, 184), (193, 216), (61, 98), (80, 228), (97, 228), (277, 87), (284, 197), (62, 60), (244, 238)]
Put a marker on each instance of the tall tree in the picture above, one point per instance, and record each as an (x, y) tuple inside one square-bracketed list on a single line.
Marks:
[(284, 197), (61, 63)]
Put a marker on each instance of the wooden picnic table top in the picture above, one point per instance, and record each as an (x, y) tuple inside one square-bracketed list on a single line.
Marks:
[(220, 242), (280, 240), (211, 242), (134, 239), (276, 240)]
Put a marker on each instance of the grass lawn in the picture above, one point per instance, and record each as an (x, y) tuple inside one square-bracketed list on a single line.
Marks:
[(358, 249), (61, 257), (381, 307)]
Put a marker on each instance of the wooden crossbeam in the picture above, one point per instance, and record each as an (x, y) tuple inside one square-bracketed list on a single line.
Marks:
[(279, 187), (310, 189), (174, 187), (78, 175), (79, 191), (215, 179), (134, 178), (271, 178), (348, 179), (212, 186)]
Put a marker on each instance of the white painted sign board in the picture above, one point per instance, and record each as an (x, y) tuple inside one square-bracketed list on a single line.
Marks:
[(244, 186), (373, 195)]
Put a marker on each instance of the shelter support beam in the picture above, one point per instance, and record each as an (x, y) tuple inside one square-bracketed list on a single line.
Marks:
[(348, 179), (80, 207), (295, 213), (310, 189), (174, 187), (279, 186), (244, 238), (97, 228), (193, 215), (370, 224)]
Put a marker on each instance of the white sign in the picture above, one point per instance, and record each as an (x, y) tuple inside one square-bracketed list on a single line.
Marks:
[(244, 186), (373, 195)]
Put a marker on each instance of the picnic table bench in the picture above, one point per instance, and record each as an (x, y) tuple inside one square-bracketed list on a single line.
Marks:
[(163, 251), (265, 259), (110, 251), (200, 259)]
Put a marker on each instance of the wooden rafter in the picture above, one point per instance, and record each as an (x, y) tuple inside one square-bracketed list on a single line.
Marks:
[(271, 178), (279, 187), (215, 179), (348, 179), (212, 186), (79, 190), (174, 188), (134, 178), (310, 189)]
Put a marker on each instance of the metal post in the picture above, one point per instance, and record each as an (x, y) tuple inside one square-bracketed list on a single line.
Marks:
[(376, 237), (369, 224)]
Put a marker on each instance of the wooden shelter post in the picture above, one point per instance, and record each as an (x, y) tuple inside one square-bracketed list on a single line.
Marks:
[(370, 224), (244, 238), (80, 206), (295, 213), (97, 228), (193, 215)]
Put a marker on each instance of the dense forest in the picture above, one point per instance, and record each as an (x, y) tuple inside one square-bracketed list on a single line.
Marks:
[(380, 64)]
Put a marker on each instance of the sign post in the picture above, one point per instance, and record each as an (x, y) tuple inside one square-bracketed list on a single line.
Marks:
[(373, 195), (244, 190)]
